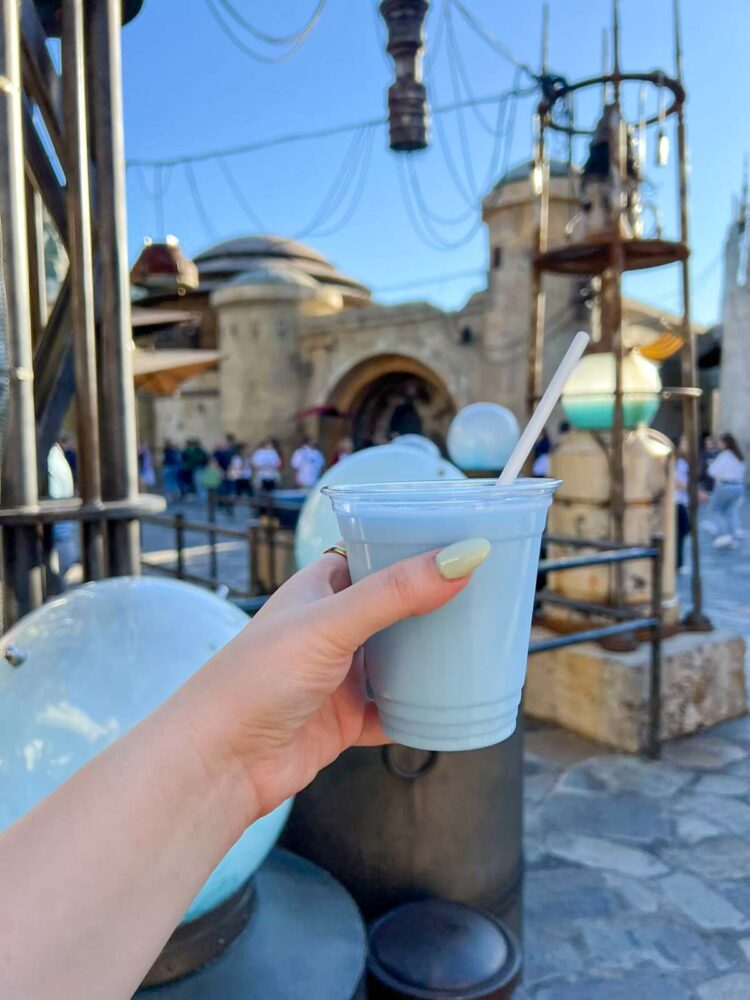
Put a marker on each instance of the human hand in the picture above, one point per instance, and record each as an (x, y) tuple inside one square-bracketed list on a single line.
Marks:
[(287, 695)]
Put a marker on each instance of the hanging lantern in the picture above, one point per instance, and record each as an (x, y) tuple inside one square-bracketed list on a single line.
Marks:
[(407, 97), (163, 267), (589, 395)]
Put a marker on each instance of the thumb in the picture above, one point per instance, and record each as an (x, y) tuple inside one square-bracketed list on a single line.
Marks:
[(411, 587)]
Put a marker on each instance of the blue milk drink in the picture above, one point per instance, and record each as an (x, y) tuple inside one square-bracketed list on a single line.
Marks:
[(451, 679)]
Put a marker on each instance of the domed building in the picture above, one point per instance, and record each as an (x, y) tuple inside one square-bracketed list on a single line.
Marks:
[(305, 349)]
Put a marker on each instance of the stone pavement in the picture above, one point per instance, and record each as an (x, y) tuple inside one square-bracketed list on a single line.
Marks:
[(638, 872)]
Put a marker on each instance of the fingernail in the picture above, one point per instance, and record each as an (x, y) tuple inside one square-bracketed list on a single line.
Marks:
[(462, 558)]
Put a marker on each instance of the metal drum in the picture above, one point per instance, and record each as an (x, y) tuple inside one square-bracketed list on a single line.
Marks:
[(394, 824)]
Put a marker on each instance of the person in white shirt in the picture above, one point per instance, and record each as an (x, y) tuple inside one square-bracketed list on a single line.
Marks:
[(266, 463), (307, 462), (728, 473)]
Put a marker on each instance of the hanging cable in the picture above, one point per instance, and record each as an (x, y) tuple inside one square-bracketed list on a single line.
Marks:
[(240, 195), (200, 208), (442, 220), (462, 130), (491, 40), (243, 47), (455, 57), (422, 226), (339, 186), (291, 39), (357, 190)]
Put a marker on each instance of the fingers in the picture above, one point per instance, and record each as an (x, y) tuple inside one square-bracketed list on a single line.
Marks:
[(412, 587)]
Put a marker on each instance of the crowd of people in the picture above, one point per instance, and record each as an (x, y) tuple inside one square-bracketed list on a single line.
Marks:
[(232, 468)]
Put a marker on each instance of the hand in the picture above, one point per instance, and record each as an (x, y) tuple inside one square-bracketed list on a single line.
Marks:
[(287, 696)]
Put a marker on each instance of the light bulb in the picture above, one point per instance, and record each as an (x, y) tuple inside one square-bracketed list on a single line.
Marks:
[(662, 149)]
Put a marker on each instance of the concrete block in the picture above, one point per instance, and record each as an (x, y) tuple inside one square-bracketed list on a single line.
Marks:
[(604, 695)]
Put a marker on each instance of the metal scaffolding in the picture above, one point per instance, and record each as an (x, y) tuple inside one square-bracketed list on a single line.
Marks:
[(80, 352)]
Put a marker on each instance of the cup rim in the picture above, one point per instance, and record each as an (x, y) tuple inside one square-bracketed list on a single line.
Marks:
[(443, 490)]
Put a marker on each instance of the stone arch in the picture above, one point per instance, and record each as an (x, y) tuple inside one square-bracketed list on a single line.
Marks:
[(391, 393)]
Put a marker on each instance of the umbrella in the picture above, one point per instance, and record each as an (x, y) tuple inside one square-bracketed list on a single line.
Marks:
[(163, 372)]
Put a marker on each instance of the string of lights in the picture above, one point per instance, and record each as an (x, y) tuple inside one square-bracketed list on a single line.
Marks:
[(200, 208), (500, 47)]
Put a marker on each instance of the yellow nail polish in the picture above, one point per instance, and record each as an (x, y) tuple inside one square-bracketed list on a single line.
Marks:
[(462, 558)]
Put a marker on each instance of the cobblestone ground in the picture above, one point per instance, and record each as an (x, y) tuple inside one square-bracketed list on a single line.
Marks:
[(638, 872)]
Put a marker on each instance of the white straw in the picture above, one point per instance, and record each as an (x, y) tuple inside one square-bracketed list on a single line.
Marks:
[(543, 412)]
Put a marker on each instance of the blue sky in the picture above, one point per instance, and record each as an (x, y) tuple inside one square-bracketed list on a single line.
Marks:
[(188, 90)]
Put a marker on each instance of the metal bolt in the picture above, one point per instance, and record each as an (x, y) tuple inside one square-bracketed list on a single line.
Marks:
[(14, 656)]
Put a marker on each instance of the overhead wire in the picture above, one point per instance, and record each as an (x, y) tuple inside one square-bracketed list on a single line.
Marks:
[(243, 46), (239, 194), (500, 47), (200, 208), (262, 36), (357, 190)]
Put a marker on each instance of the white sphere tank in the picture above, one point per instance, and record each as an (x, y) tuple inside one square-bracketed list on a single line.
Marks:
[(317, 527), (482, 436), (91, 664)]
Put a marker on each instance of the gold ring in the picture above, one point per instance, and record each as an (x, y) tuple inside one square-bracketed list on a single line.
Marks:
[(339, 550)]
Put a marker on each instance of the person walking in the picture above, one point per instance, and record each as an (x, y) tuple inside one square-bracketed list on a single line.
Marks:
[(146, 473), (728, 473), (170, 467), (307, 462), (194, 457), (681, 503), (240, 473), (266, 465)]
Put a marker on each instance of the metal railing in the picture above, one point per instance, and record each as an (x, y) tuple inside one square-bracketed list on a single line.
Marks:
[(266, 540), (628, 621)]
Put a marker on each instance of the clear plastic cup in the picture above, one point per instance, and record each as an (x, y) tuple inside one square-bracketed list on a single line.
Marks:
[(450, 679)]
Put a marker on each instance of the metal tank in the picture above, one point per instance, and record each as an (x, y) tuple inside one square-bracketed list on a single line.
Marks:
[(394, 824)]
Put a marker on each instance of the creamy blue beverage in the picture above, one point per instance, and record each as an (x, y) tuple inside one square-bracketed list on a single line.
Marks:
[(451, 679)]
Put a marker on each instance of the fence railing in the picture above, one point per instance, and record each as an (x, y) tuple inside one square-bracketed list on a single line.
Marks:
[(627, 621), (269, 561)]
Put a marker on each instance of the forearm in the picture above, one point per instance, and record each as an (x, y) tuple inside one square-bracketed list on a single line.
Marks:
[(95, 879)]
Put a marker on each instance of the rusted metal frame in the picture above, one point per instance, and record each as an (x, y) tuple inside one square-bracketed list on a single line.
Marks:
[(53, 373), (40, 78), (654, 695), (40, 168), (535, 359), (76, 160), (38, 306), (116, 392), (585, 607), (22, 563)]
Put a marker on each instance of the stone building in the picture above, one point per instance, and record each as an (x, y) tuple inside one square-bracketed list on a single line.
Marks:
[(305, 349), (734, 336)]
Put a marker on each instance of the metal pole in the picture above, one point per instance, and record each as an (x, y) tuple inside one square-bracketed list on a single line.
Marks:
[(654, 696), (37, 278), (82, 280), (696, 620), (540, 175), (179, 544), (213, 560), (22, 569), (252, 576), (118, 436)]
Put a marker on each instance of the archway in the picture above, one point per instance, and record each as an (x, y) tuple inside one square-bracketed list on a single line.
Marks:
[(388, 395)]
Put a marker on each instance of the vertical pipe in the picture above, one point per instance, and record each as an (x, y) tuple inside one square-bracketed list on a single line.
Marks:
[(82, 280), (118, 436), (539, 245), (251, 582), (38, 307), (22, 571), (654, 696), (695, 619), (179, 544), (213, 560)]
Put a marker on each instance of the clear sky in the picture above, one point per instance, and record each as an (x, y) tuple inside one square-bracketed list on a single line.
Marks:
[(189, 90)]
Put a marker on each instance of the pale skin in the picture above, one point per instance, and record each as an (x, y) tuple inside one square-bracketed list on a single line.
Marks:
[(95, 879)]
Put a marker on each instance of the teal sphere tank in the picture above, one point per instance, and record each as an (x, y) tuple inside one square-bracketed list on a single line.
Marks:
[(90, 665)]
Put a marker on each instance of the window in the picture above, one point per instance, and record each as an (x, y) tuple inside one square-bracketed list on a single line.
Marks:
[(497, 258)]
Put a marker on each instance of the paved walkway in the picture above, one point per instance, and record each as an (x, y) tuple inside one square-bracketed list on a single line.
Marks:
[(638, 873)]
